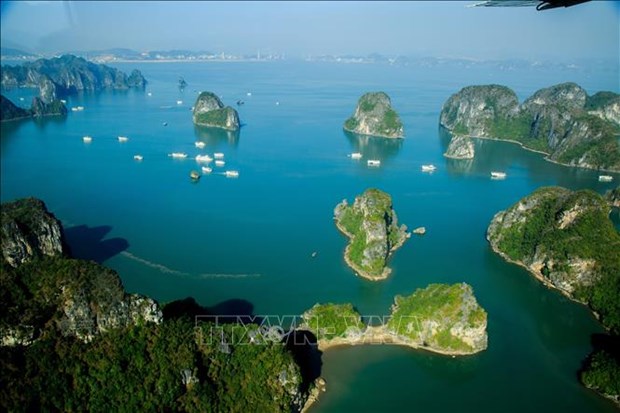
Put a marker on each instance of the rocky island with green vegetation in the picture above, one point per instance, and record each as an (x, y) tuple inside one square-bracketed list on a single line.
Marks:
[(210, 111), (563, 122), (374, 116), (440, 318), (69, 74), (567, 240), (71, 339), (460, 147), (9, 111), (372, 226)]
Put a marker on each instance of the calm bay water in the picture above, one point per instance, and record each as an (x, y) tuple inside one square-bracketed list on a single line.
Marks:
[(248, 241)]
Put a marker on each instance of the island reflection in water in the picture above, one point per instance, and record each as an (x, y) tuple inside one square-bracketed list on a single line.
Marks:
[(373, 147), (214, 137)]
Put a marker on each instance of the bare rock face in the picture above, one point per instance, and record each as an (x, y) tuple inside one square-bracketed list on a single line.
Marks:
[(460, 147), (374, 116), (562, 121), (28, 231), (210, 111)]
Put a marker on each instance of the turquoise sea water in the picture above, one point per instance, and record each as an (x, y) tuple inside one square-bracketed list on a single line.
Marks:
[(247, 242)]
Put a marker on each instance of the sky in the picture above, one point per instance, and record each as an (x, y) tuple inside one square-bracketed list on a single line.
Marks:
[(299, 29)]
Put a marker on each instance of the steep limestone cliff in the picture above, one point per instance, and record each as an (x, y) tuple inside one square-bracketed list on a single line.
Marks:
[(372, 226), (460, 147), (561, 121), (210, 111), (374, 116)]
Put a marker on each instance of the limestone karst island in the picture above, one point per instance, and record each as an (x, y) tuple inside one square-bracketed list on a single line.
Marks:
[(562, 121), (374, 116), (440, 318), (372, 227), (210, 111)]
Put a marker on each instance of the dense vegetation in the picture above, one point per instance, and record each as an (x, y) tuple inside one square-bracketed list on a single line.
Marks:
[(55, 355), (373, 228), (328, 321), (602, 373), (374, 111), (213, 117), (428, 316)]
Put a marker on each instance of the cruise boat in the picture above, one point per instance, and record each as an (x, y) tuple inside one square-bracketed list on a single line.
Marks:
[(605, 178), (87, 139), (373, 162), (428, 168), (178, 155), (206, 170), (498, 175), (77, 108), (218, 155), (220, 163), (200, 144), (203, 158), (179, 102), (232, 174), (123, 138), (356, 155), (138, 157)]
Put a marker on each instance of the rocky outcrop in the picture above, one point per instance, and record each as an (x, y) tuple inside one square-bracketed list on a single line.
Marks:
[(43, 288), (69, 74), (374, 116), (613, 197), (372, 226), (561, 121), (460, 147), (567, 241), (29, 230), (9, 111), (210, 111)]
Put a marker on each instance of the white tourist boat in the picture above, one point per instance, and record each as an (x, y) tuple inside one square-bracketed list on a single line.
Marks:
[(218, 155), (149, 94), (199, 144), (179, 102), (123, 138), (138, 157), (373, 162), (498, 175), (428, 168), (77, 108), (203, 158), (356, 155), (232, 174), (605, 178), (220, 163), (206, 170), (87, 139), (178, 155)]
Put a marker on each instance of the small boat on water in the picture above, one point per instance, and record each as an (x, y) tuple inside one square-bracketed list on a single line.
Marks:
[(194, 175), (179, 102), (428, 168), (178, 155), (87, 139), (232, 174), (206, 170), (199, 144), (149, 94), (356, 155), (373, 162), (498, 175), (203, 158), (61, 100), (123, 138), (138, 157), (165, 123), (605, 178), (77, 108), (218, 155), (220, 163)]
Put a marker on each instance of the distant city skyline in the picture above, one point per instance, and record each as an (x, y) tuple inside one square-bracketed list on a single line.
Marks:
[(299, 29)]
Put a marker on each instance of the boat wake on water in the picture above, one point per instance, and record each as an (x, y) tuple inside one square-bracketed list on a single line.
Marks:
[(167, 270)]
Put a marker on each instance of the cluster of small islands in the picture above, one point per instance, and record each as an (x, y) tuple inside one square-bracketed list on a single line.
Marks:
[(68, 326)]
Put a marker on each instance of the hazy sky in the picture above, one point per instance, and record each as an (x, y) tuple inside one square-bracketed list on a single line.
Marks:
[(428, 28)]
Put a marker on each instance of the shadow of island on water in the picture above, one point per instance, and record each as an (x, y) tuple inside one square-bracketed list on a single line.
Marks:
[(88, 243), (374, 147), (215, 137)]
